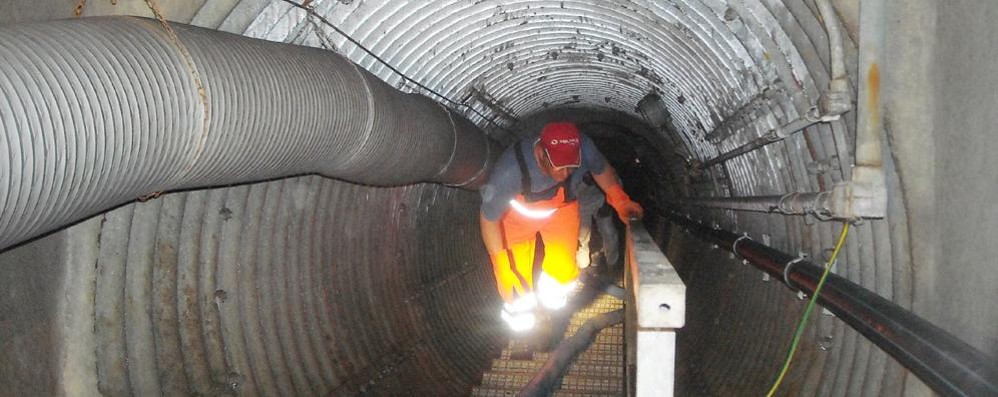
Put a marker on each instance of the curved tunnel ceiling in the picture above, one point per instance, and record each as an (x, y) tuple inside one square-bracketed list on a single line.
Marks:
[(529, 55), (728, 71), (759, 62)]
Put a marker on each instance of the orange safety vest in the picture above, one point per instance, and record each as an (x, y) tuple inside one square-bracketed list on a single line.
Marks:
[(550, 216)]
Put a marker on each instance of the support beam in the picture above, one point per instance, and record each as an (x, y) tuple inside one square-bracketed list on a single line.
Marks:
[(790, 204), (761, 100), (774, 135), (867, 187)]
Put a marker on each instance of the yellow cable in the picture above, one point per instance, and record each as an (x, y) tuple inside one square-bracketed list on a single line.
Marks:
[(807, 312)]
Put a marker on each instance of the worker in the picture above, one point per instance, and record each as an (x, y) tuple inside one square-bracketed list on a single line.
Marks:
[(530, 218), (593, 212)]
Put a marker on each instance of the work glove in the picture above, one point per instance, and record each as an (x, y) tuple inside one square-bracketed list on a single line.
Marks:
[(621, 202)]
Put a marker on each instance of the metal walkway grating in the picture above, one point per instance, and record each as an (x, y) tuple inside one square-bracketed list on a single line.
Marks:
[(599, 371)]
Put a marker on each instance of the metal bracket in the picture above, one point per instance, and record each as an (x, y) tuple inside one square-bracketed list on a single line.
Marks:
[(734, 246), (836, 100), (786, 269), (859, 199)]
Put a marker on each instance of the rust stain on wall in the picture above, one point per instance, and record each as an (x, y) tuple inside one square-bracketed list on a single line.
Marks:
[(873, 88)]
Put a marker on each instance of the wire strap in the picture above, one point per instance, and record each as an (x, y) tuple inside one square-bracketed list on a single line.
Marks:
[(784, 206), (734, 246), (192, 68), (786, 269), (79, 7)]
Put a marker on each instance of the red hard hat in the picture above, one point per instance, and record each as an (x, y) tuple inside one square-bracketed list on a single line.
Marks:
[(562, 143)]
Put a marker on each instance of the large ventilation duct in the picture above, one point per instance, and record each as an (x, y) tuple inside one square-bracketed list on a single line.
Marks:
[(272, 288), (99, 112)]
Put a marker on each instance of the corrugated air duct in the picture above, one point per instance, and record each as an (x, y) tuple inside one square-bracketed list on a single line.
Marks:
[(292, 286), (98, 112)]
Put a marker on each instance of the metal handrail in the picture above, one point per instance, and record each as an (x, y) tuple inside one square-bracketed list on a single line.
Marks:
[(655, 309)]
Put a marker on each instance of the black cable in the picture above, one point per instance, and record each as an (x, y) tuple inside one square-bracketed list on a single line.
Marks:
[(312, 12)]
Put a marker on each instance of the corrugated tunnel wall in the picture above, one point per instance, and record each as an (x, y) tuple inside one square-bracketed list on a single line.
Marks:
[(311, 286)]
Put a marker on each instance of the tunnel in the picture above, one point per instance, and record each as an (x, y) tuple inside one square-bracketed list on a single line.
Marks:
[(279, 197)]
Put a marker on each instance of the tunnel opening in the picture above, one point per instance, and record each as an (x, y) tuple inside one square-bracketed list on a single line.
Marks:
[(311, 285)]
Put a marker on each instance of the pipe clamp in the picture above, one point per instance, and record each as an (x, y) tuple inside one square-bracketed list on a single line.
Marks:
[(734, 246), (786, 268)]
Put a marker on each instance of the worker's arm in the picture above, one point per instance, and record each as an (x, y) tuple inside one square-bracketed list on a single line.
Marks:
[(503, 185), (491, 235), (606, 178), (615, 195)]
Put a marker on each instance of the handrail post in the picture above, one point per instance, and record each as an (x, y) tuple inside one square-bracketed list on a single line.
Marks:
[(656, 308)]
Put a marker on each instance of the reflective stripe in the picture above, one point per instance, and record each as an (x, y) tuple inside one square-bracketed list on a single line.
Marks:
[(519, 314), (519, 322), (529, 213), (522, 304), (552, 294)]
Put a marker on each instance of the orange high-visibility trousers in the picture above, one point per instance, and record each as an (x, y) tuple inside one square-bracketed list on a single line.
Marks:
[(514, 266)]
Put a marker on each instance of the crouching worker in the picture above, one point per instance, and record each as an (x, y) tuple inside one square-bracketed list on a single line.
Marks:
[(530, 218)]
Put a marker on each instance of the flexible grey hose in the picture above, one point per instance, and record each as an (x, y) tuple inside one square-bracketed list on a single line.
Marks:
[(545, 380), (101, 111)]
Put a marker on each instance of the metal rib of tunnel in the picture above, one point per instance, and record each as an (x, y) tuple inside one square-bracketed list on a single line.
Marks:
[(271, 288)]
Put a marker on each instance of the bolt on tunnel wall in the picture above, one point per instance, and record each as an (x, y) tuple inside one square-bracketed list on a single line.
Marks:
[(309, 285)]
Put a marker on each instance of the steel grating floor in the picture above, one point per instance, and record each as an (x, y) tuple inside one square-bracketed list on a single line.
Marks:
[(598, 371)]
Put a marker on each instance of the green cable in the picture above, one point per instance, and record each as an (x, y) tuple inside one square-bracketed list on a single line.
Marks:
[(807, 312)]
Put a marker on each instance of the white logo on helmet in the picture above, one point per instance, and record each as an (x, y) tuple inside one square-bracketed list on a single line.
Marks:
[(572, 141)]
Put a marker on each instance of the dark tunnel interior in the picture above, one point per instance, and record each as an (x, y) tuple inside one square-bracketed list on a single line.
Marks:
[(305, 283)]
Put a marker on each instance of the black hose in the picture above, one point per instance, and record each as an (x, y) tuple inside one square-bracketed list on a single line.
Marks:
[(944, 362), (545, 381), (603, 284)]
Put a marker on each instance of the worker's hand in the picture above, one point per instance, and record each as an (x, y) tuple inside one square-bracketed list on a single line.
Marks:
[(629, 209), (626, 209)]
